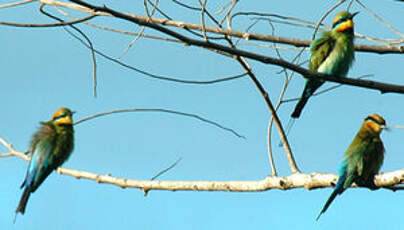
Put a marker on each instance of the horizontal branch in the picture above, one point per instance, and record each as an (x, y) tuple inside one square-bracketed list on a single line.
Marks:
[(296, 180), (84, 7)]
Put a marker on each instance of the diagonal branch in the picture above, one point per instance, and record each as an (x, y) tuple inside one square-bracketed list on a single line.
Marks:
[(383, 87)]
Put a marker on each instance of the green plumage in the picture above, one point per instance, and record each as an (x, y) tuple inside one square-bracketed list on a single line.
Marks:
[(50, 146), (362, 159), (332, 53)]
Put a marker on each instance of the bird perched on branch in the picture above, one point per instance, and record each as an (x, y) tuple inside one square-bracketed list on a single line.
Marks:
[(362, 159), (332, 53), (50, 146)]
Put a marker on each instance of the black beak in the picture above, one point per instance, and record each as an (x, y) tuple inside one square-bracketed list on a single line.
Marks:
[(354, 14)]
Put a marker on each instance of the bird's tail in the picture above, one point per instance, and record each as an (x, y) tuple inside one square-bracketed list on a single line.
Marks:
[(23, 201), (299, 107), (310, 87), (339, 188)]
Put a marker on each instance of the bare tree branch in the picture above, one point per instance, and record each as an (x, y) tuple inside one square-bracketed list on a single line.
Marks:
[(383, 87), (49, 24), (160, 111), (15, 4), (90, 44), (381, 49), (299, 180), (324, 16), (155, 76)]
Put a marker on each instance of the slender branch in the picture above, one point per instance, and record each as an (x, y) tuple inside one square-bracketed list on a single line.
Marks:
[(166, 169), (324, 16), (285, 142), (90, 44), (49, 24), (160, 111), (203, 5), (155, 76), (285, 85), (321, 91), (243, 62), (396, 126), (381, 20), (15, 4)]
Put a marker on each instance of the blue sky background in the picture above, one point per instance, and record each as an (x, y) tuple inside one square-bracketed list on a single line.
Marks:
[(44, 68)]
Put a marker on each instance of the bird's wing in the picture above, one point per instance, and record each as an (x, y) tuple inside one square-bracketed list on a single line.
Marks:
[(320, 49), (354, 157), (40, 165)]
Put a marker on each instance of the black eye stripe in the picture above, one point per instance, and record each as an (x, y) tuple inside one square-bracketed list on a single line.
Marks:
[(338, 22), (370, 118), (61, 115)]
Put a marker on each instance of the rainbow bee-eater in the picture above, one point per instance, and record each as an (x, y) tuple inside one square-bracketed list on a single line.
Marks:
[(332, 53), (362, 160), (50, 146)]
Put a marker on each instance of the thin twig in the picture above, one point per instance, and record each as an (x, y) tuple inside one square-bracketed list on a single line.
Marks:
[(139, 35), (270, 123), (186, 6), (85, 37), (311, 25), (324, 90), (381, 20), (15, 4), (203, 5), (233, 4), (167, 169), (324, 16), (155, 76), (69, 23), (396, 126), (223, 7), (160, 111), (145, 191), (291, 160)]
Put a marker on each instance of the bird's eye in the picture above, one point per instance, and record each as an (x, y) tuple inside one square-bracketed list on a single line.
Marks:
[(338, 22)]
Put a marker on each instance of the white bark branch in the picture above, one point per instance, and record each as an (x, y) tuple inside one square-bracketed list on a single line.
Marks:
[(296, 180)]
